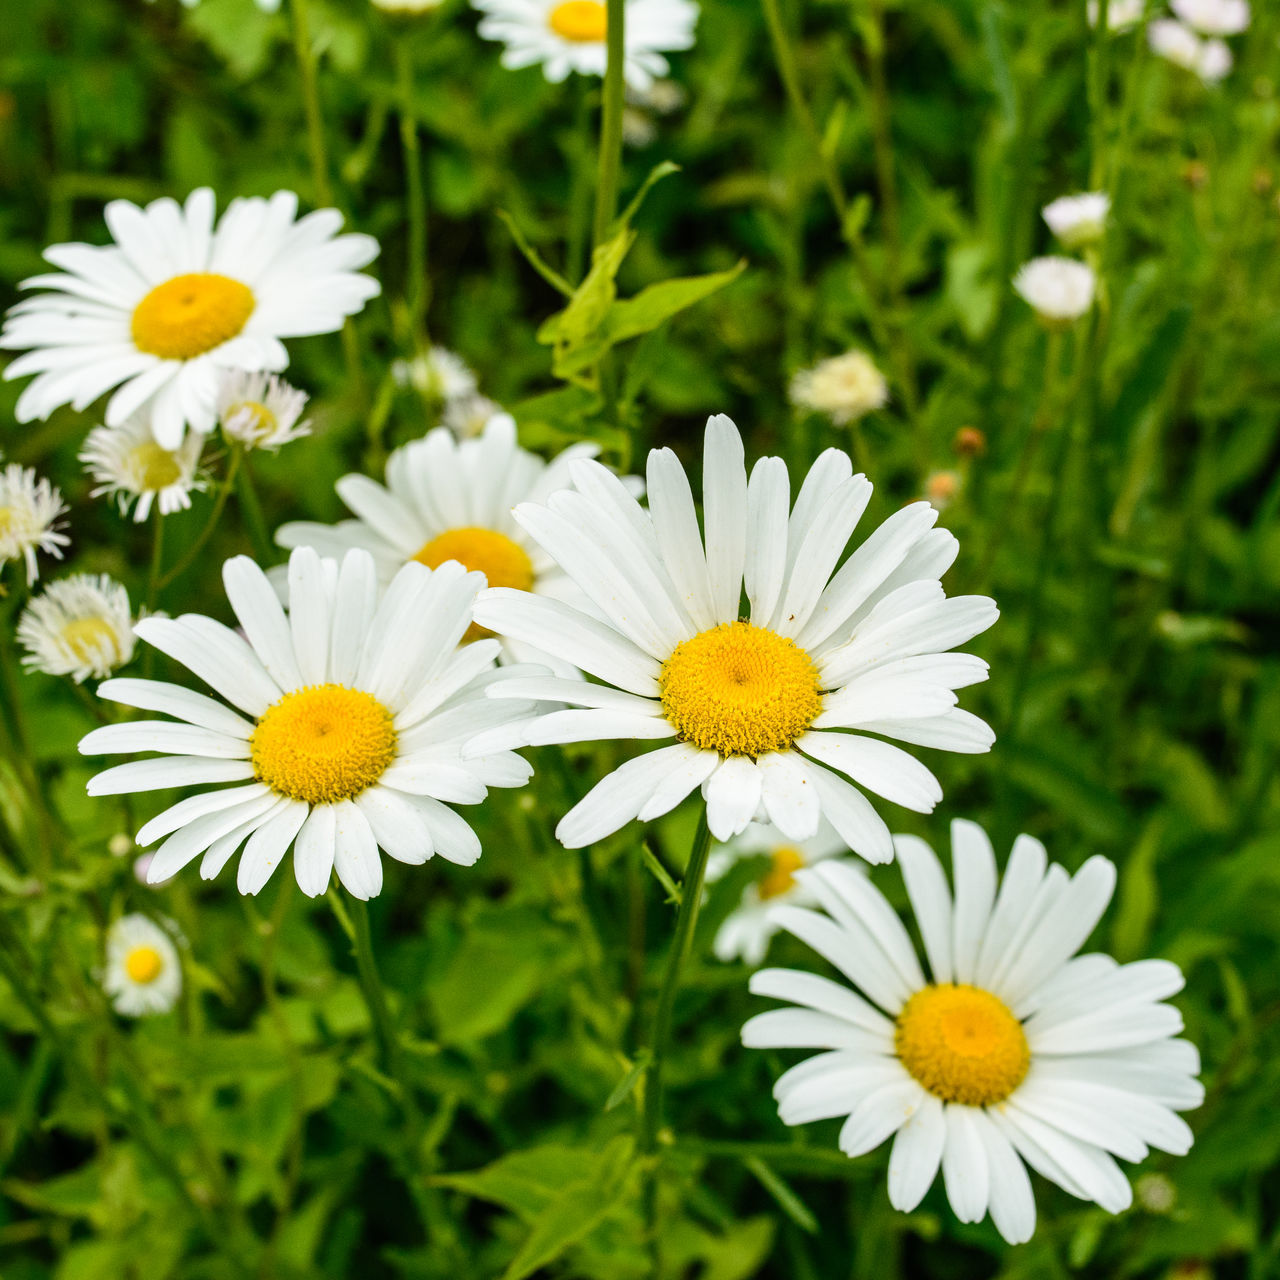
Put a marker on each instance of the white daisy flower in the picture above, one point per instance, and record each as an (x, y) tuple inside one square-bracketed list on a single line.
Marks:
[(449, 500), (259, 410), (407, 6), (1080, 219), (1214, 17), (749, 927), (79, 627), (845, 387), (1175, 42), (758, 707), (569, 35), (1216, 61), (1013, 1051), (467, 416), (1059, 289), (349, 711), (160, 313), (129, 464), (143, 974), (29, 509), (438, 373), (1121, 14)]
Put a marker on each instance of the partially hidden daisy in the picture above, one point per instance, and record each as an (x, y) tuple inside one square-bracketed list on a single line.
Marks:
[(1059, 289), (446, 499), (1015, 1050), (1214, 17), (766, 710), (569, 35), (260, 411), (143, 974), (129, 464), (159, 313), (78, 626), (1121, 14), (845, 388), (438, 373), (747, 930), (29, 511), (1079, 219), (1177, 43), (343, 731)]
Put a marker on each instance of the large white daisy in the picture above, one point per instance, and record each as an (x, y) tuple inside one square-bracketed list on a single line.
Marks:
[(1014, 1050), (343, 733), (569, 35), (760, 707), (160, 313)]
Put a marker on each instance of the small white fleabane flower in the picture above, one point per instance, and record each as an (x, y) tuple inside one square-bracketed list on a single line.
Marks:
[(468, 416), (569, 35), (1214, 17), (128, 464), (748, 928), (759, 708), (1121, 14), (143, 975), (260, 411), (346, 720), (160, 313), (438, 373), (79, 627), (1216, 61), (29, 510), (845, 387), (407, 7), (1014, 1050), (1175, 42), (1059, 289), (1078, 220)]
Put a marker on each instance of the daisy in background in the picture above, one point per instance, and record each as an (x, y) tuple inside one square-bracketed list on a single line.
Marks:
[(749, 927), (569, 35), (1014, 1050), (29, 511), (129, 464), (79, 626), (1078, 220), (1214, 17), (437, 373), (343, 731), (1121, 14), (1060, 290), (160, 313), (756, 711), (143, 975), (468, 416), (260, 411), (845, 388), (1175, 42)]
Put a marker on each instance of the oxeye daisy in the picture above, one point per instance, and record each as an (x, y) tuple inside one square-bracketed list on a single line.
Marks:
[(175, 300), (1078, 220), (438, 373), (143, 974), (260, 411), (569, 35), (79, 627), (1214, 17), (343, 730), (760, 706), (29, 511), (128, 464), (1014, 1050), (845, 388), (450, 500), (1060, 290)]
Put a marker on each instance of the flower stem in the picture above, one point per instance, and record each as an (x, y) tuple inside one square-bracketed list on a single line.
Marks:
[(215, 512), (251, 510), (611, 122), (416, 286), (374, 994)]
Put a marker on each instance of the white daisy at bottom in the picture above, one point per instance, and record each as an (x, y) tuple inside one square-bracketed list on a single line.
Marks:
[(143, 974), (1015, 1052), (79, 627)]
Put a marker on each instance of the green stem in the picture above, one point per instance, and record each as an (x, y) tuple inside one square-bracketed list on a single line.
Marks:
[(155, 573), (374, 995), (416, 290), (215, 512), (251, 510), (611, 122)]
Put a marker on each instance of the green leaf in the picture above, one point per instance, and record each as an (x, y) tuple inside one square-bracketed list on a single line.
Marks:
[(533, 257), (656, 174), (787, 1200), (628, 1082)]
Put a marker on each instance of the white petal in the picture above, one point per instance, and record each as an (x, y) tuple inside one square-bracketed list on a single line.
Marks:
[(975, 875), (313, 851), (724, 503), (1013, 1207), (733, 796), (917, 1152), (356, 857), (964, 1165), (930, 901), (268, 846), (258, 609)]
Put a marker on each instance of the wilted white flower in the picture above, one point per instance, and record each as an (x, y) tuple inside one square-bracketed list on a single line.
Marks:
[(437, 373), (1209, 59), (29, 506), (260, 411), (129, 464), (844, 387), (143, 975), (1060, 289), (79, 627), (467, 416), (1213, 17), (1121, 14), (1078, 220)]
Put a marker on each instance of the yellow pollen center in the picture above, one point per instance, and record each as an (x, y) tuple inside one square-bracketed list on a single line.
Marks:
[(963, 1044), (582, 21), (6, 519), (189, 315), (504, 563), (261, 421), (87, 638), (781, 876), (153, 467), (323, 744), (143, 964), (740, 690)]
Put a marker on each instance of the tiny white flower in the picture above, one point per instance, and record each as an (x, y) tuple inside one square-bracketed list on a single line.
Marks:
[(143, 974), (1060, 289), (438, 373), (1121, 14), (129, 464), (1175, 42), (407, 7), (1216, 61), (79, 627), (1213, 17), (260, 411), (1080, 219), (29, 508), (845, 387), (467, 416)]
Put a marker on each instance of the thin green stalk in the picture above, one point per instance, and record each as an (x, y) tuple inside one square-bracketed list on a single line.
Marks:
[(389, 1052), (215, 513), (251, 510), (813, 1160), (417, 293), (156, 572), (611, 122)]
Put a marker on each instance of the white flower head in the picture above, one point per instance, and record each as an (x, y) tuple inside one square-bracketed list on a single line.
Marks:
[(29, 511), (342, 737), (764, 714), (1015, 1050), (1216, 61), (1175, 42), (1214, 17), (129, 464), (79, 627), (1078, 220), (1121, 14), (468, 416), (259, 410), (1059, 289), (845, 387), (569, 35), (408, 8), (159, 314), (143, 974), (437, 373)]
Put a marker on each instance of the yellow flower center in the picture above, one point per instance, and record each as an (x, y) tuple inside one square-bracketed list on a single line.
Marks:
[(504, 563), (259, 420), (189, 315), (781, 876), (963, 1044), (740, 690), (152, 467), (7, 520), (89, 638), (143, 964), (582, 21), (323, 744)]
